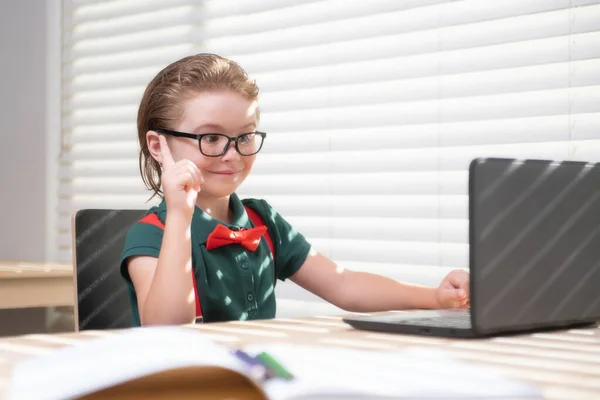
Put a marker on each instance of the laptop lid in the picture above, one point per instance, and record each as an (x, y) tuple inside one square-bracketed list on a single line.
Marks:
[(534, 243)]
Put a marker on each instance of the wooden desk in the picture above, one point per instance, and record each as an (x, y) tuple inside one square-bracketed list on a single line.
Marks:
[(564, 364), (35, 285)]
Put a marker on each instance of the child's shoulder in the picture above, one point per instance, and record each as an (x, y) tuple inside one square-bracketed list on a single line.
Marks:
[(264, 210), (144, 237), (152, 220), (267, 212), (261, 206), (255, 203)]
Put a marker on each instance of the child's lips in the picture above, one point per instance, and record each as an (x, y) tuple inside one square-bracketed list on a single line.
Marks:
[(227, 172)]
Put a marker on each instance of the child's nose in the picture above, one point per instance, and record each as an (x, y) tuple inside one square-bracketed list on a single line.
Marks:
[(231, 153)]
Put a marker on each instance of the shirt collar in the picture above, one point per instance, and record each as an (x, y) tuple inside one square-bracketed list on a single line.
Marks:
[(203, 224)]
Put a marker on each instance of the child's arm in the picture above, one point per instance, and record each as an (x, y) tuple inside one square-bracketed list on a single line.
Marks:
[(365, 292), (163, 286)]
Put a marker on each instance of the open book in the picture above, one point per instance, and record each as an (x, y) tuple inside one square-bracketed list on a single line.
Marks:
[(179, 363)]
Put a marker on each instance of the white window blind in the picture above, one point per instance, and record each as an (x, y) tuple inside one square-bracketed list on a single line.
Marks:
[(373, 109)]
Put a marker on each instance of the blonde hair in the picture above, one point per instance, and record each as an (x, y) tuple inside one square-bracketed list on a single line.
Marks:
[(161, 105)]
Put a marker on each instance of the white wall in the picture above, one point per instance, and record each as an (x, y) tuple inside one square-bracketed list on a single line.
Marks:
[(23, 129)]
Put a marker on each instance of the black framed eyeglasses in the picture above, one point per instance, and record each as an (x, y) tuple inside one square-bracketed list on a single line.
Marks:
[(216, 144)]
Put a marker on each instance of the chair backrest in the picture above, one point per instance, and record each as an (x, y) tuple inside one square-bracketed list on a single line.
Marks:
[(101, 299)]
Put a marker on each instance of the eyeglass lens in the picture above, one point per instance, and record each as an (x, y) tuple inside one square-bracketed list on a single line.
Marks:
[(215, 145)]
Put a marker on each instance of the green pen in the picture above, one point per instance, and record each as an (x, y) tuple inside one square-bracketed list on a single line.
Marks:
[(278, 369)]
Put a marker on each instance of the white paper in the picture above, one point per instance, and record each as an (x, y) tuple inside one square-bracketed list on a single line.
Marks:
[(414, 373)]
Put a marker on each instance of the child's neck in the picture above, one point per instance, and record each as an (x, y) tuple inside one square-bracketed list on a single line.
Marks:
[(217, 208)]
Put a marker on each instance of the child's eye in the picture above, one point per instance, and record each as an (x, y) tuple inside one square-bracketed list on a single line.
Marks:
[(245, 139), (212, 138)]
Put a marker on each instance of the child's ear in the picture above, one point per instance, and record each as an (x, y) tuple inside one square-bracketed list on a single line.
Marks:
[(153, 145)]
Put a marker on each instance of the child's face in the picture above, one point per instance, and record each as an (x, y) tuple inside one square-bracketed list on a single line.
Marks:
[(223, 112)]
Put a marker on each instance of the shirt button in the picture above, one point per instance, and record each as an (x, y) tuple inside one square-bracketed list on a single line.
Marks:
[(245, 264), (250, 297)]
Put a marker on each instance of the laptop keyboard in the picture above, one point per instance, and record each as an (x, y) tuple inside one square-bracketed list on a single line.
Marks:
[(447, 321)]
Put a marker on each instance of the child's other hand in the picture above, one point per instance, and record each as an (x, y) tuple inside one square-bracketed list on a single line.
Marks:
[(453, 292), (180, 181)]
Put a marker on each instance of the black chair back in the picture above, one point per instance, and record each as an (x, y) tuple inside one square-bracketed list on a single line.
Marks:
[(102, 301)]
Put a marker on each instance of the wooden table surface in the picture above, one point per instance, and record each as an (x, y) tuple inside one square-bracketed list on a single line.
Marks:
[(562, 364), (35, 284)]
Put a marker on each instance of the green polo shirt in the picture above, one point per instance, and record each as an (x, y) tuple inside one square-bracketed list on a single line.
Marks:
[(233, 283)]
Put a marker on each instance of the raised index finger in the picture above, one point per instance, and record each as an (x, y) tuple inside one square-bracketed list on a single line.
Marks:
[(167, 158)]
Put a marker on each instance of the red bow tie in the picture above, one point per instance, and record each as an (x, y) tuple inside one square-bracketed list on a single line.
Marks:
[(222, 236)]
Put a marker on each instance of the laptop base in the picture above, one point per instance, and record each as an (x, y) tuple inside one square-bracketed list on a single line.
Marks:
[(408, 327), (385, 325)]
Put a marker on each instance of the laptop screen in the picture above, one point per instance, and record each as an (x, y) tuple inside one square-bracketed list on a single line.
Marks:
[(534, 243)]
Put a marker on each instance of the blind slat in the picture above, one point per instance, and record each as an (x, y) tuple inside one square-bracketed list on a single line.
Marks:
[(155, 57), (381, 229), (140, 21), (511, 105), (108, 10), (418, 253), (135, 41)]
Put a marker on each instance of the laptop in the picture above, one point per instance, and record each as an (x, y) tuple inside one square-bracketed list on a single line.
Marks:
[(534, 253)]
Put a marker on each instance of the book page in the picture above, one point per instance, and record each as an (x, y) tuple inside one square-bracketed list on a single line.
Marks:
[(415, 373)]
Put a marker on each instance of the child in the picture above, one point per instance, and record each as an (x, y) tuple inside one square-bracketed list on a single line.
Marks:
[(202, 253)]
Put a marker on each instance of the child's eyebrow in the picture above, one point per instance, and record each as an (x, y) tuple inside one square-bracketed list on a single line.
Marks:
[(215, 127), (249, 125), (220, 128)]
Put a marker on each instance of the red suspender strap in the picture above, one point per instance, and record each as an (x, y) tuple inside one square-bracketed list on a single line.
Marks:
[(152, 219), (257, 221), (198, 309)]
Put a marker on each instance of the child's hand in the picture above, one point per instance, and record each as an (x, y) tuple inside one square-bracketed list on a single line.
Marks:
[(180, 181), (453, 292)]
